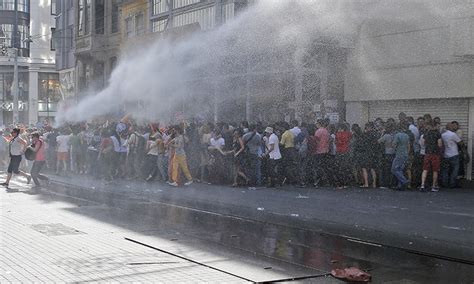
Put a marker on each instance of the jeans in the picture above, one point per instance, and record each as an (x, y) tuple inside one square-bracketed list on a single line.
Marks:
[(35, 172), (386, 177), (162, 162), (449, 171), (258, 171), (398, 169), (251, 171)]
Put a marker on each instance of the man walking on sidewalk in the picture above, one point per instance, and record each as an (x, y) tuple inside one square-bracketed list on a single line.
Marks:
[(401, 143)]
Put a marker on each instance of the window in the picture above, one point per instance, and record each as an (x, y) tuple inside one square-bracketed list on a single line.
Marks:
[(23, 5), (84, 10), (54, 39), (158, 6), (140, 24), (6, 82), (53, 7), (48, 92), (129, 27), (159, 26), (6, 30), (99, 16), (115, 17)]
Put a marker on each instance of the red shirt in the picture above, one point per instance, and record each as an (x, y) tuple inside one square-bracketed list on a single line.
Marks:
[(40, 155), (322, 137), (343, 140)]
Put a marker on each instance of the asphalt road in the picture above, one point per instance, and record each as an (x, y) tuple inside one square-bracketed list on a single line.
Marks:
[(437, 223)]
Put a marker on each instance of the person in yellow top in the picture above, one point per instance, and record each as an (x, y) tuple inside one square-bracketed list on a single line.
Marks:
[(289, 154), (287, 139)]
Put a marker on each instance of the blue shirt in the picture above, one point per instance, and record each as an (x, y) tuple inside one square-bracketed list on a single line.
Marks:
[(401, 142)]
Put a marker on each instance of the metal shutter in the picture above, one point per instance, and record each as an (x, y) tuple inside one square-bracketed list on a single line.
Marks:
[(447, 109)]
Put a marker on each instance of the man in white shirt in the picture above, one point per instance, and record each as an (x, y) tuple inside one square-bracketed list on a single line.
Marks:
[(450, 168), (62, 150), (272, 152)]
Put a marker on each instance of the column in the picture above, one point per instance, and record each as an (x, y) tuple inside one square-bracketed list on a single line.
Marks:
[(324, 81), (298, 65), (33, 93), (470, 135)]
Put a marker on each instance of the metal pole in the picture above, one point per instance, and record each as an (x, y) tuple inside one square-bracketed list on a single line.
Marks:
[(15, 86)]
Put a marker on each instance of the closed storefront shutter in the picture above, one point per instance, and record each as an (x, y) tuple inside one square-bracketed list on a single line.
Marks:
[(447, 109)]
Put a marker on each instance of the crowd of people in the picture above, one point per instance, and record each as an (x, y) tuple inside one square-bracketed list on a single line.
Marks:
[(401, 154)]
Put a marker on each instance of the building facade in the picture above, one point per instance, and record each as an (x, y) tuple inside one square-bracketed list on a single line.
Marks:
[(306, 83), (38, 81), (97, 42), (417, 66), (65, 47)]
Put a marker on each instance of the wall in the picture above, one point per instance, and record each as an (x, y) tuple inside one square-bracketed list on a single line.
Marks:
[(423, 57)]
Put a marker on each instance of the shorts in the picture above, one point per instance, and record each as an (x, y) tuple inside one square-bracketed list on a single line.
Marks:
[(432, 162), (14, 166), (63, 156)]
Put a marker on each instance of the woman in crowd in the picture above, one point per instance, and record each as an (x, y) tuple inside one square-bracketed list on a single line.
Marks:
[(239, 155)]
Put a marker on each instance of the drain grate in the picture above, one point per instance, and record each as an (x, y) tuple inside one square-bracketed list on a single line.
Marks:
[(57, 229)]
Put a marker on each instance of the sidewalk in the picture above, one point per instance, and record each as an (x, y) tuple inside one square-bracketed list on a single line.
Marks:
[(436, 223), (47, 239)]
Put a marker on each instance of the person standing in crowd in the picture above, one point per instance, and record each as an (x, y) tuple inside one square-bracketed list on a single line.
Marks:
[(386, 177), (401, 143), (106, 155), (252, 144), (162, 159), (416, 165), (288, 154), (432, 143), (301, 145), (179, 160), (40, 159), (322, 141), (119, 157), (136, 152), (368, 154), (63, 147), (273, 155), (16, 148), (451, 159), (238, 146), (205, 142), (463, 152), (51, 159), (343, 160), (150, 165), (77, 157)]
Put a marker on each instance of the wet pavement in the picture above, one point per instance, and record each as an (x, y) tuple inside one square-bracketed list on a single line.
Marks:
[(52, 239), (437, 223), (299, 232)]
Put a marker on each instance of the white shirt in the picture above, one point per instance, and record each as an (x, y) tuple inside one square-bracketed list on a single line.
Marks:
[(153, 148), (273, 140), (295, 131), (450, 141), (16, 148), (63, 143), (218, 143), (416, 133)]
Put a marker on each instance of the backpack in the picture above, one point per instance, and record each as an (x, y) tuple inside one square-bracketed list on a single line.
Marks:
[(30, 154)]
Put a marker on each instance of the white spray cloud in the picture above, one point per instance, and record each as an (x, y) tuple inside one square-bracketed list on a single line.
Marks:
[(163, 76)]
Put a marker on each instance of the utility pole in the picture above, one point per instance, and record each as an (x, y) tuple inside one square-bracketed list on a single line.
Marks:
[(15, 86)]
